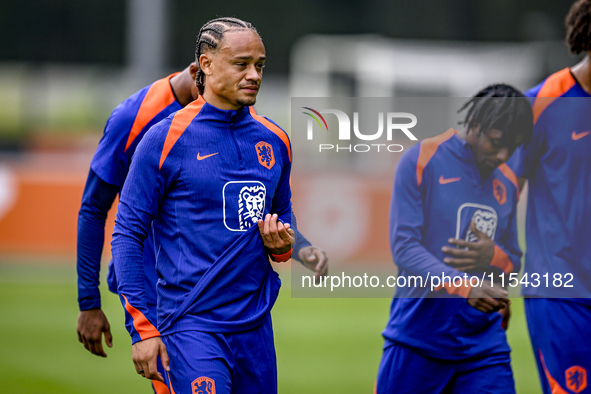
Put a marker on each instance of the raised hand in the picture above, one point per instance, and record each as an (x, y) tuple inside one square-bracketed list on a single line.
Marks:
[(277, 237), (470, 255), (314, 259)]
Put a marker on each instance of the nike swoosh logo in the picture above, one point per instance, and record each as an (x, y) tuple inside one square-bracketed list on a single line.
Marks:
[(576, 136), (446, 181), (199, 157)]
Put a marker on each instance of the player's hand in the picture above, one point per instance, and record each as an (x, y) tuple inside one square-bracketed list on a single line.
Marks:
[(277, 237), (470, 255), (92, 324), (487, 298), (315, 260), (506, 313), (145, 357)]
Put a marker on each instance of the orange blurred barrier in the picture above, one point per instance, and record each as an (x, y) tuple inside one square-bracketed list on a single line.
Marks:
[(39, 208), (344, 213)]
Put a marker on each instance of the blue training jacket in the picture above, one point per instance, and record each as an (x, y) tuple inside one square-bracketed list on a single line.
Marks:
[(126, 126), (202, 177), (557, 165), (124, 130), (438, 190)]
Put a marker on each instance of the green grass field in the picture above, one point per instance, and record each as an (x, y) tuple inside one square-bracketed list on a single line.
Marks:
[(323, 345)]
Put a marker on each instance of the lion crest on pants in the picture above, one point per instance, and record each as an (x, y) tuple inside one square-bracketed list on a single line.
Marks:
[(203, 385)]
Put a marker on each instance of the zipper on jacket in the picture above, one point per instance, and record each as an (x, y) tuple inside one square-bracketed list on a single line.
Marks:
[(241, 165)]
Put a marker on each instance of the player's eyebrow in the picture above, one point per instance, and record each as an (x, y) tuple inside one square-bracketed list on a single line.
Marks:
[(262, 58)]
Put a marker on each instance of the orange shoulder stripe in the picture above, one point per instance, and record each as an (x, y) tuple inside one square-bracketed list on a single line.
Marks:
[(158, 97), (140, 322), (509, 174), (428, 148), (271, 126), (180, 122), (555, 86)]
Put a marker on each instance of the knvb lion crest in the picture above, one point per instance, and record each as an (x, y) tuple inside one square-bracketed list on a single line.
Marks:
[(499, 191), (203, 385), (485, 219), (486, 222), (243, 204), (265, 154), (576, 378), (251, 205)]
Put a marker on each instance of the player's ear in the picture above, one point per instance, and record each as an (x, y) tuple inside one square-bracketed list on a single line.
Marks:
[(193, 69), (474, 130), (205, 61)]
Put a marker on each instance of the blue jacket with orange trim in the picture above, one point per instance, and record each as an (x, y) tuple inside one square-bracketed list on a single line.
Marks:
[(437, 191), (557, 165), (126, 126), (202, 177), (124, 130)]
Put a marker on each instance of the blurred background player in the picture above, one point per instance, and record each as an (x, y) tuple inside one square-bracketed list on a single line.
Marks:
[(557, 166), (454, 188), (124, 130), (203, 180)]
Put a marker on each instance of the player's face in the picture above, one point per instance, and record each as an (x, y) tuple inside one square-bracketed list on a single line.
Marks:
[(234, 73), (490, 149)]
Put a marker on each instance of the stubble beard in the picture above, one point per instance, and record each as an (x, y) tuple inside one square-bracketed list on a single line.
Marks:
[(246, 102)]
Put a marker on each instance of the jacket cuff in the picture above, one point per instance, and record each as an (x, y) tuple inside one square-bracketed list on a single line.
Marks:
[(501, 260)]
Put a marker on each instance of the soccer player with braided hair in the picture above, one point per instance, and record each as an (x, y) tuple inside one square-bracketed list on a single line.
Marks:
[(455, 189), (209, 39), (124, 130), (557, 167), (211, 182)]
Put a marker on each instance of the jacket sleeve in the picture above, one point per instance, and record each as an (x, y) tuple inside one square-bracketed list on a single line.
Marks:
[(507, 255), (281, 204), (300, 240), (407, 223), (140, 200), (97, 199), (111, 160), (300, 243)]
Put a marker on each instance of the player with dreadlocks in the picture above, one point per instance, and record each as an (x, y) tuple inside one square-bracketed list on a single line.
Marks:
[(212, 183), (557, 166), (125, 128), (455, 189)]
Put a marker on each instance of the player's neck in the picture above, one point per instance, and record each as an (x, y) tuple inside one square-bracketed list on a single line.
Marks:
[(181, 86), (218, 102), (582, 73)]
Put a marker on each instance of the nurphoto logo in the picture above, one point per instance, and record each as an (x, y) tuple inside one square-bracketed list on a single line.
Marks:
[(395, 122)]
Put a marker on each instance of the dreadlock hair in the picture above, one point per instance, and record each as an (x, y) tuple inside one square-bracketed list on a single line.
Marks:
[(578, 27), (500, 107), (209, 38)]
